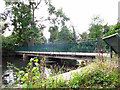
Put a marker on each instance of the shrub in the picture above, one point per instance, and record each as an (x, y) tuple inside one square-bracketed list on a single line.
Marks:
[(97, 75)]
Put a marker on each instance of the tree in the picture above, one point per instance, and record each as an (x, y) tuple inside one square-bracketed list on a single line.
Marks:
[(59, 21), (106, 29), (59, 32), (74, 34), (65, 36), (53, 34), (23, 21), (84, 36), (95, 29)]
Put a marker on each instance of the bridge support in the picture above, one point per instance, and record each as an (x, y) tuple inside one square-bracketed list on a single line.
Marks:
[(25, 57)]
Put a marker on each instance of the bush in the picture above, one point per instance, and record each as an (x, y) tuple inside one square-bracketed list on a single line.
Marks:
[(97, 75)]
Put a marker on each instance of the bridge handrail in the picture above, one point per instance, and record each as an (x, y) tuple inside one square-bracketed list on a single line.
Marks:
[(84, 46)]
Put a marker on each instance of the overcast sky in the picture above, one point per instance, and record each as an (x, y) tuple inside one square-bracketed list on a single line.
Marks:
[(80, 12)]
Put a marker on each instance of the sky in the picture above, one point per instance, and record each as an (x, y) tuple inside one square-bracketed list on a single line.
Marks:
[(80, 12)]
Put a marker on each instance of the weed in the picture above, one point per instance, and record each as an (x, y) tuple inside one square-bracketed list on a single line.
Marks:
[(99, 74)]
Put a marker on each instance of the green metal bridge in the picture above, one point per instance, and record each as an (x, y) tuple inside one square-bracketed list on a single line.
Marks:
[(74, 51), (92, 46)]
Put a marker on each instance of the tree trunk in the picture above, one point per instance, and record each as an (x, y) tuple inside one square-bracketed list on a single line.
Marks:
[(29, 43), (32, 41)]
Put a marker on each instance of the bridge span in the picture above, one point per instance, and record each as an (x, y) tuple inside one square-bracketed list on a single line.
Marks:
[(61, 55)]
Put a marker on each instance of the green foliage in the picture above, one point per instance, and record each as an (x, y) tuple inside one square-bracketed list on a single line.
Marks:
[(64, 36), (8, 45), (60, 18), (59, 28), (26, 29), (97, 29), (31, 76), (34, 76), (53, 33), (99, 74), (22, 19), (106, 29), (23, 22), (84, 36), (115, 29)]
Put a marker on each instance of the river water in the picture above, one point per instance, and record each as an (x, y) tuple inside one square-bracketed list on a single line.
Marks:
[(16, 61), (7, 69)]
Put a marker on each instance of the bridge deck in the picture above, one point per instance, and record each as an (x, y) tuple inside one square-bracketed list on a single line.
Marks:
[(62, 53)]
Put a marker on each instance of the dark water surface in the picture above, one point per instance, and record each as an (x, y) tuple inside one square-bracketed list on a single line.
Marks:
[(19, 63), (16, 61)]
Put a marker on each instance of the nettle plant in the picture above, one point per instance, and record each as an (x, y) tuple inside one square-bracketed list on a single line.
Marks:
[(34, 74), (35, 77)]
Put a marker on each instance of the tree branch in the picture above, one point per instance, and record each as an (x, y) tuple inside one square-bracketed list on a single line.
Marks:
[(38, 4)]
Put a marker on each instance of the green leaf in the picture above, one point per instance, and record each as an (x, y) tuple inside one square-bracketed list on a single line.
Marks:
[(29, 63), (23, 79), (36, 60), (107, 75), (21, 72), (18, 79), (37, 64), (35, 77), (35, 69), (26, 75)]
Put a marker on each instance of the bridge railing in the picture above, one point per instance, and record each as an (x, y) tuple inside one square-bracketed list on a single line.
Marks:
[(85, 46)]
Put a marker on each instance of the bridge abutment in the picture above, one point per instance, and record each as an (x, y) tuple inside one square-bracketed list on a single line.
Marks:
[(25, 57)]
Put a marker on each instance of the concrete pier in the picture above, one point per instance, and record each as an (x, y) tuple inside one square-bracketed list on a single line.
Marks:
[(25, 57)]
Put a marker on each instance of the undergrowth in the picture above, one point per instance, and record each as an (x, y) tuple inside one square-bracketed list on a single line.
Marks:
[(99, 74)]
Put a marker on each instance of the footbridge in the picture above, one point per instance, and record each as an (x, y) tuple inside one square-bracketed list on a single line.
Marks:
[(75, 51)]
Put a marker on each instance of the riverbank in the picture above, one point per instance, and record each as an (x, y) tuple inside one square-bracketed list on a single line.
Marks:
[(99, 74)]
